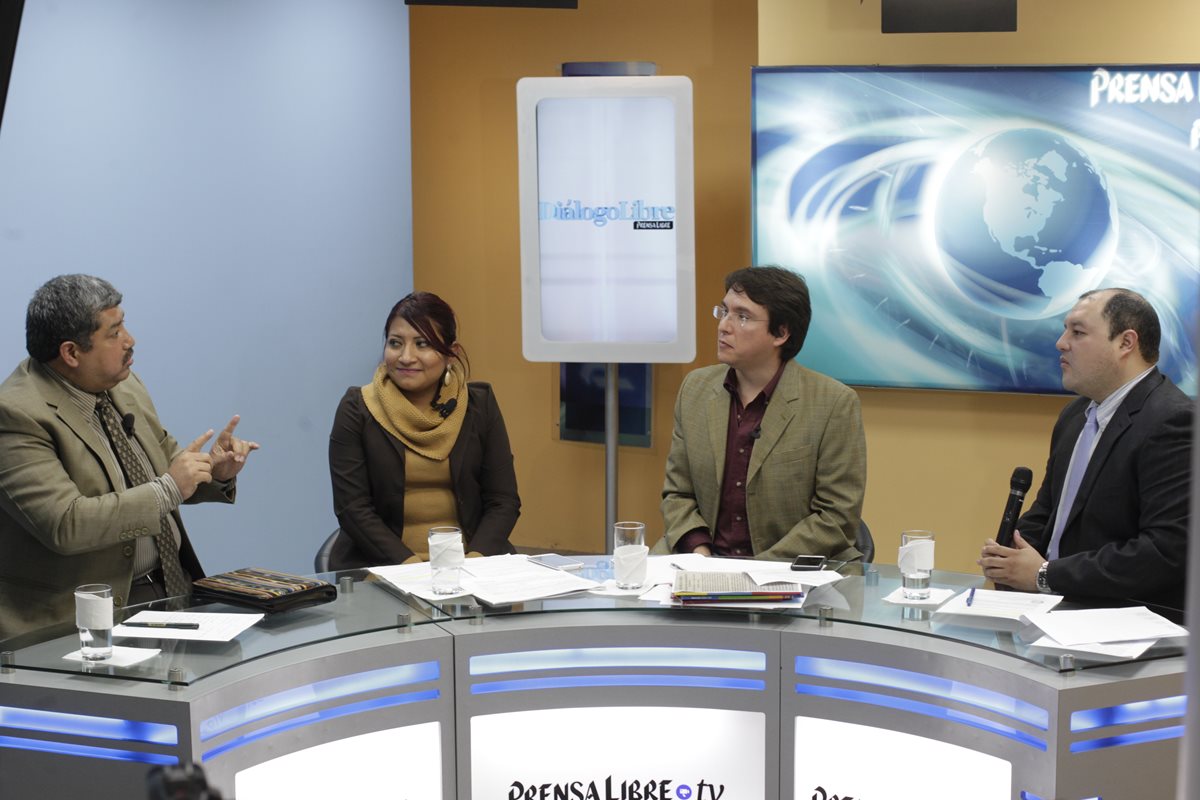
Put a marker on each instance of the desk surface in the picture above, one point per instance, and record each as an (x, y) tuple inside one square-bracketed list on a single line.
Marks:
[(374, 605)]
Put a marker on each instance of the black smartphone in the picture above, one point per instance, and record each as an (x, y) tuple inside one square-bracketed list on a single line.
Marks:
[(805, 563)]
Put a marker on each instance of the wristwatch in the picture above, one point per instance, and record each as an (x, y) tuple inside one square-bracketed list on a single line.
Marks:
[(1043, 585)]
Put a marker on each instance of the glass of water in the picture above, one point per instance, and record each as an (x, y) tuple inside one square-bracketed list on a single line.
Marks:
[(916, 563), (629, 554), (446, 559), (94, 618)]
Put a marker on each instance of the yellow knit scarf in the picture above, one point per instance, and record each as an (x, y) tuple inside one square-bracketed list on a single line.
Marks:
[(421, 429)]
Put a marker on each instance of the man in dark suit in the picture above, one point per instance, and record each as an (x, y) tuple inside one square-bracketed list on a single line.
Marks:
[(90, 482), (1111, 517)]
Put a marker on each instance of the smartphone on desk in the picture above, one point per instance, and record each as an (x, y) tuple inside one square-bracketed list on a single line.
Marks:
[(555, 561), (807, 563)]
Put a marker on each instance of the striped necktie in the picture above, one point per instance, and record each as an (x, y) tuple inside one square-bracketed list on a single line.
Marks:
[(177, 582)]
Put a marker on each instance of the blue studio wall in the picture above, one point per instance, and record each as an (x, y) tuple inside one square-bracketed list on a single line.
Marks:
[(241, 172)]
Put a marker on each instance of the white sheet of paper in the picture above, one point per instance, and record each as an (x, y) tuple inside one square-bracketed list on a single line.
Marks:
[(660, 569), (533, 583), (417, 579), (761, 572), (1122, 651), (495, 580), (699, 563), (936, 598), (121, 657), (994, 609), (1105, 625), (809, 578), (213, 627)]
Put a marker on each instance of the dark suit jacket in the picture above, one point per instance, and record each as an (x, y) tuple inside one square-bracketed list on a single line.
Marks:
[(1126, 535), (62, 521), (366, 464)]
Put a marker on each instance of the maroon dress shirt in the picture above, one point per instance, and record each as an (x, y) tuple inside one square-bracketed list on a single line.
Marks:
[(732, 537)]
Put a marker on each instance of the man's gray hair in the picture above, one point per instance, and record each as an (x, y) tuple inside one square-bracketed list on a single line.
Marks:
[(66, 309)]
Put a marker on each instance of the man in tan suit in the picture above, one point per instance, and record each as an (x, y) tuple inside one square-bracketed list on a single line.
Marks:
[(90, 482), (768, 458)]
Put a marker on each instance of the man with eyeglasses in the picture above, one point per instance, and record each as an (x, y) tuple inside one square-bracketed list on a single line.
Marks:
[(768, 459)]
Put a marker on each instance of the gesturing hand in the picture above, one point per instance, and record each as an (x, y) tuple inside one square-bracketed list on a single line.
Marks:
[(229, 452), (192, 467)]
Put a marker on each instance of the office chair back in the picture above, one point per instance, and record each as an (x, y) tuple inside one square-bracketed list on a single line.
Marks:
[(865, 543), (321, 561)]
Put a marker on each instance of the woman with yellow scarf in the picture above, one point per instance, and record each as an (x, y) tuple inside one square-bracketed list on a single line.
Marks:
[(420, 447)]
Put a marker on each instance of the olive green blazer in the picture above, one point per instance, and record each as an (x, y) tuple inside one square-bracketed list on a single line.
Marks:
[(804, 488), (63, 522)]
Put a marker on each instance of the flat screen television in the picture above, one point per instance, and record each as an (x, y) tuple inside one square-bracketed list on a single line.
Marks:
[(947, 218)]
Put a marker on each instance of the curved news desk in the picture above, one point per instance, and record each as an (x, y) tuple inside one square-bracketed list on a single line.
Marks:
[(383, 695)]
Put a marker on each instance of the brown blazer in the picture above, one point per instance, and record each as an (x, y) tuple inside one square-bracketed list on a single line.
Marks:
[(808, 471), (62, 521), (366, 464)]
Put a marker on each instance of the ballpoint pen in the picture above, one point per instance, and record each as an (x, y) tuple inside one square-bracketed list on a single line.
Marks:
[(180, 626), (970, 597)]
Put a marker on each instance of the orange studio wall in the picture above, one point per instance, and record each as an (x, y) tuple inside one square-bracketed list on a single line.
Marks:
[(936, 460), (465, 66)]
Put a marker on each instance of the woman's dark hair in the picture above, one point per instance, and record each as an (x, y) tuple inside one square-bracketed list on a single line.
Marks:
[(432, 317)]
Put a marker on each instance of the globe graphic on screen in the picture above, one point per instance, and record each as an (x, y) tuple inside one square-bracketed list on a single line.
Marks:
[(1025, 223)]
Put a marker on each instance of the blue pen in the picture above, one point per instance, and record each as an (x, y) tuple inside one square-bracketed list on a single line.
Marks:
[(971, 597)]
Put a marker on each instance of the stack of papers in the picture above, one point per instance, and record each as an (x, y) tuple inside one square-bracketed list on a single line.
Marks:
[(495, 580), (995, 610), (693, 587), (1105, 634)]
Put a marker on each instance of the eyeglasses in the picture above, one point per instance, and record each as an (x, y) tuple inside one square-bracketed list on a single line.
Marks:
[(721, 312)]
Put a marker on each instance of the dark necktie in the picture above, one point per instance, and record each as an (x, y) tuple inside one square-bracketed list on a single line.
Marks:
[(177, 583)]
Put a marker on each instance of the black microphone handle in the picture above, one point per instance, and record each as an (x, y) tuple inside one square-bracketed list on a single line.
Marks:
[(1008, 523)]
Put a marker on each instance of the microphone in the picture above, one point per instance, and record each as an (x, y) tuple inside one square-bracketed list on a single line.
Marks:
[(447, 408), (1022, 477), (757, 432), (127, 424)]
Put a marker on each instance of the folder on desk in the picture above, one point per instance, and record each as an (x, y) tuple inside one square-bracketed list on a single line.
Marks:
[(695, 588)]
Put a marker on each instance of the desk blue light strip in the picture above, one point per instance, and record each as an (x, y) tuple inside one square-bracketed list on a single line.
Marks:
[(922, 683), (1032, 796), (321, 716), (321, 691), (1141, 737), (608, 657), (1129, 713), (85, 751), (127, 730), (925, 709), (592, 681)]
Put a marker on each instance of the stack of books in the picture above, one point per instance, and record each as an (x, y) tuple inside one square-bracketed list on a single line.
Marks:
[(698, 588)]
